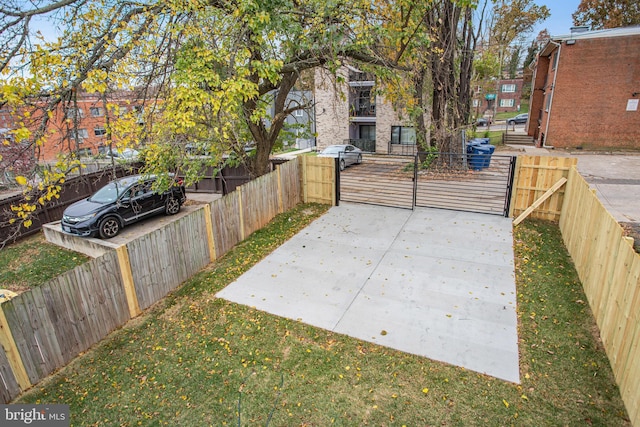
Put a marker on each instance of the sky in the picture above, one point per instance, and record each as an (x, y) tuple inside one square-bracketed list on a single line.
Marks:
[(560, 21)]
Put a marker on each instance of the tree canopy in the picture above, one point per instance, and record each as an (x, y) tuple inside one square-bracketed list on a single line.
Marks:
[(599, 14), (218, 73)]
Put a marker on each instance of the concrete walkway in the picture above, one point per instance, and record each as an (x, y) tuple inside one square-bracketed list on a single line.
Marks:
[(430, 282)]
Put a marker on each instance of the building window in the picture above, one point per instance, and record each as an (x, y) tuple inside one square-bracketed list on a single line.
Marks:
[(80, 134), (365, 104), (298, 113), (96, 112), (139, 113), (99, 131), (73, 113), (510, 88), (368, 132), (555, 60), (476, 102), (405, 135), (507, 102), (548, 101)]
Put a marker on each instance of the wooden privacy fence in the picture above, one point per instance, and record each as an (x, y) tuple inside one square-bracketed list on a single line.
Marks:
[(609, 270), (533, 177), (319, 180), (43, 329)]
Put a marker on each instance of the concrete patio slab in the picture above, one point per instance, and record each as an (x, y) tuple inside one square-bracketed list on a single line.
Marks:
[(435, 283)]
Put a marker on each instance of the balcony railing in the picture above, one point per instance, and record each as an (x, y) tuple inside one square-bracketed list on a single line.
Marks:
[(361, 77), (362, 111)]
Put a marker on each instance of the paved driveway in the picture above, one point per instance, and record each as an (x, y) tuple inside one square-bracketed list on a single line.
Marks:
[(430, 282), (616, 179)]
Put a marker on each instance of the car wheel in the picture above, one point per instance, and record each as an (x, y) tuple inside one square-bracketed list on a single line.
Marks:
[(172, 207), (359, 159), (109, 227), (342, 164)]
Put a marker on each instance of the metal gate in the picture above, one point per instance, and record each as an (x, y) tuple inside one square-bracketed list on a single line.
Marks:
[(465, 182), (379, 180)]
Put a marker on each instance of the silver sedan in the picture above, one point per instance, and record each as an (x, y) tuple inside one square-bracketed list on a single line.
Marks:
[(347, 153)]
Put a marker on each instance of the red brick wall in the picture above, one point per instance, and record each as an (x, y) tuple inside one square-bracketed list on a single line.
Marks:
[(516, 96), (596, 78), (61, 125), (536, 102), (56, 143)]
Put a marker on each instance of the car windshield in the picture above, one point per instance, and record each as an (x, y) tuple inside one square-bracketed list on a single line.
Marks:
[(109, 193), (332, 150)]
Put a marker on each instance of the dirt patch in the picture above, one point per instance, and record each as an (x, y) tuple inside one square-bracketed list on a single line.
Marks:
[(632, 229)]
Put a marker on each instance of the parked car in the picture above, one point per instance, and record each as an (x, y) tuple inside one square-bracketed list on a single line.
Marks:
[(120, 203), (123, 154), (483, 121), (519, 119), (347, 153)]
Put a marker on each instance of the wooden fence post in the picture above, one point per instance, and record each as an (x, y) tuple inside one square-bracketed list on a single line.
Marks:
[(280, 203), (210, 239), (304, 179), (514, 183), (127, 281), (13, 355), (240, 212)]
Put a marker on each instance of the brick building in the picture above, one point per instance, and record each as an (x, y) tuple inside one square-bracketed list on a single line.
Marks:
[(501, 97), (586, 90), (89, 111), (353, 112), (78, 127)]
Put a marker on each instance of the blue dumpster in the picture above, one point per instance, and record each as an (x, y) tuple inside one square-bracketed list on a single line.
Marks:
[(470, 144), (480, 155), (476, 160), (481, 141), (488, 151)]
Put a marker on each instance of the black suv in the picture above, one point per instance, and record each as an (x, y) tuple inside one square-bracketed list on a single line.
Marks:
[(120, 203)]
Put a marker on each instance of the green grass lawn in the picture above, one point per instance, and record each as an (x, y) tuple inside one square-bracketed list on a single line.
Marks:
[(495, 136), (33, 261), (195, 360), (524, 108)]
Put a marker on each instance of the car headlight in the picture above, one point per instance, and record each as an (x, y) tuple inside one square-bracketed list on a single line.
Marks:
[(82, 218)]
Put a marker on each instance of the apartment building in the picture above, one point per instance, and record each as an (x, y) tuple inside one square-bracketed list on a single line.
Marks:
[(350, 111), (586, 90)]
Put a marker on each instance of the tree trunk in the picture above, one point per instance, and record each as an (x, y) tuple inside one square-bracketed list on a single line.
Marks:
[(466, 65), (422, 142), (265, 138), (444, 19)]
